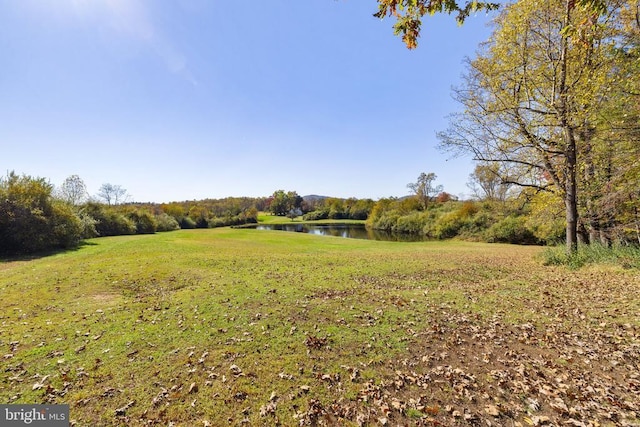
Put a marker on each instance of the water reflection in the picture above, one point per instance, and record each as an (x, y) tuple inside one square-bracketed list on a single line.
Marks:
[(352, 231)]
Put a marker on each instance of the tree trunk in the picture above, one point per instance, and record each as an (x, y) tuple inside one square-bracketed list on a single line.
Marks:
[(571, 156), (583, 234), (570, 198), (590, 186)]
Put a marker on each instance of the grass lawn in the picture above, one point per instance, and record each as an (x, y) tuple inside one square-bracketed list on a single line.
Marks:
[(243, 327)]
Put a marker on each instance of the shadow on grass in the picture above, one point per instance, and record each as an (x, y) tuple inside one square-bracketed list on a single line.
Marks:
[(5, 258)]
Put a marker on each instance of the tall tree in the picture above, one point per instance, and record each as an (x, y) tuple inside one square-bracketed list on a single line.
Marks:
[(424, 188), (486, 183), (112, 194), (73, 190), (531, 98), (283, 202)]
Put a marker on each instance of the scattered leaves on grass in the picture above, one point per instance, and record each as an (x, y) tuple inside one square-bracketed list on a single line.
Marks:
[(412, 337), (314, 342), (123, 409)]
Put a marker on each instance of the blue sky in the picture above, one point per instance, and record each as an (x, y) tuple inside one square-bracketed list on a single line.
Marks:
[(192, 99)]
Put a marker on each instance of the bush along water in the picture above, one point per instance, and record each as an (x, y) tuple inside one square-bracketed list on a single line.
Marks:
[(488, 221)]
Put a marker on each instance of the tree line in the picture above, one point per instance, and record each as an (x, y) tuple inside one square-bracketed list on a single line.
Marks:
[(495, 213), (551, 104), (36, 216)]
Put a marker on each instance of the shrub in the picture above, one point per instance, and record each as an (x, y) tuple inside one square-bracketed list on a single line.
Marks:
[(115, 225), (361, 209), (250, 216), (21, 229), (387, 221), (241, 218), (448, 225), (316, 215), (187, 223), (468, 209), (88, 224), (64, 225), (413, 223), (335, 212), (144, 221), (202, 222), (165, 222), (460, 221), (511, 230), (408, 205), (379, 209), (31, 220), (23, 223), (217, 222), (108, 222), (473, 227), (548, 231)]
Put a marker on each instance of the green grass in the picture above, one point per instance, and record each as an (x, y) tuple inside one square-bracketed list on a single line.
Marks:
[(203, 326), (266, 218)]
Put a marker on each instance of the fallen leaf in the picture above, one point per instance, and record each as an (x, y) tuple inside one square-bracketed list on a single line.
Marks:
[(492, 410), (123, 410)]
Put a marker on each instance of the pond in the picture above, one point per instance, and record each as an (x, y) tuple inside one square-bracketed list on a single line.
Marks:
[(352, 231)]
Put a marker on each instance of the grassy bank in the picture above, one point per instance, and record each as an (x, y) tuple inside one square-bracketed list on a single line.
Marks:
[(265, 218), (229, 327), (625, 256)]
